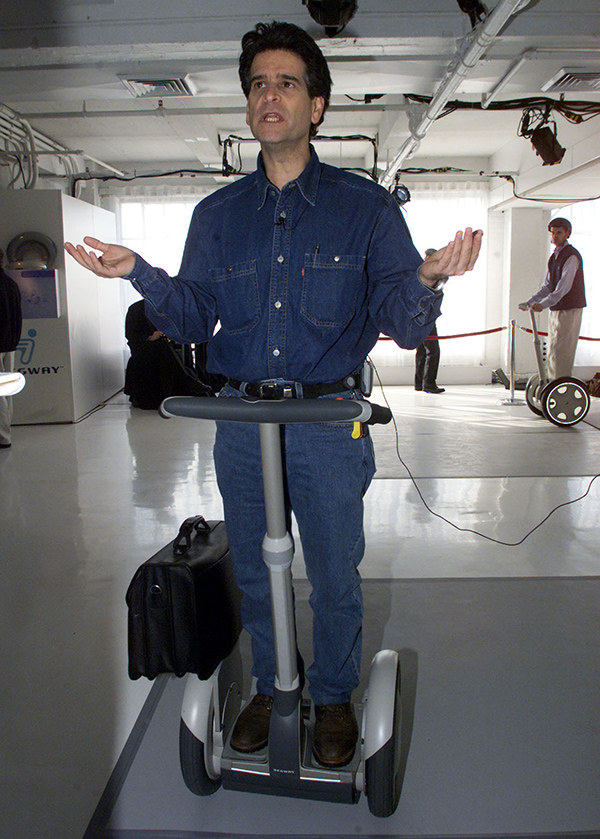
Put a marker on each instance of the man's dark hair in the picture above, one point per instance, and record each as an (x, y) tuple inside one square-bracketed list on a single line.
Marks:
[(561, 222), (288, 36), (1, 258)]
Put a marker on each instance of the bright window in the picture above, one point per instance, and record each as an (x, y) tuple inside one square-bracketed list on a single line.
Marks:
[(434, 214), (156, 228)]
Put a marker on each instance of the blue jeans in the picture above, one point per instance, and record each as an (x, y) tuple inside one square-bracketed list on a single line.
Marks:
[(327, 473)]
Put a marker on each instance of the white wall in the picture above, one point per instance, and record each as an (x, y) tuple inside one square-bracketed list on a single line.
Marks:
[(526, 256)]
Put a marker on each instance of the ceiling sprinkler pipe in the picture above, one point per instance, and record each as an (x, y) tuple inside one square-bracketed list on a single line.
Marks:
[(457, 72), (34, 139), (31, 182)]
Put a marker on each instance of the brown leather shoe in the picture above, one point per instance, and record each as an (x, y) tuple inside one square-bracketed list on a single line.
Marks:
[(335, 735), (251, 730)]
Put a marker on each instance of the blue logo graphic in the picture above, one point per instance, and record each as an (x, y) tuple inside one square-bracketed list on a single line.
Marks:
[(26, 346)]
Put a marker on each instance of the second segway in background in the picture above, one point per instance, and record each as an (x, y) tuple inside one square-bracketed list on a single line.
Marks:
[(562, 401)]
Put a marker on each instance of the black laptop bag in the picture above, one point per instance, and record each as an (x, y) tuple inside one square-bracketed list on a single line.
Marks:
[(184, 605)]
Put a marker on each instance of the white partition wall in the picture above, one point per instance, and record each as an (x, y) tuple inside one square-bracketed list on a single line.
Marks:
[(72, 362)]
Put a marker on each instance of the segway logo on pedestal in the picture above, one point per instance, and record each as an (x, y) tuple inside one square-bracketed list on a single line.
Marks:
[(25, 349)]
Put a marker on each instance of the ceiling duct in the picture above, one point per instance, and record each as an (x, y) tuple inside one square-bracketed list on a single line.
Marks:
[(577, 81), (151, 87)]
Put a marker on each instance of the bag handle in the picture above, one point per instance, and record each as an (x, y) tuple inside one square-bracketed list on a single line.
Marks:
[(187, 531)]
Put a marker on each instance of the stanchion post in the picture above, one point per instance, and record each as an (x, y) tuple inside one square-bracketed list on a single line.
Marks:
[(513, 352)]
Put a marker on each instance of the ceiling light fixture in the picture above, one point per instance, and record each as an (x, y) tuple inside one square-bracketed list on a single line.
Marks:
[(476, 11), (535, 125), (547, 146), (332, 15), (401, 193)]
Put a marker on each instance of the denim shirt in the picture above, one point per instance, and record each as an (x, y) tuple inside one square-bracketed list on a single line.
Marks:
[(301, 281)]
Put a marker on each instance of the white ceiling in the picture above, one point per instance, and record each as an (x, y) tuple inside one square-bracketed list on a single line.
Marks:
[(61, 63)]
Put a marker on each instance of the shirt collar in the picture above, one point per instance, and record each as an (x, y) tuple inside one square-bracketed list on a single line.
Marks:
[(557, 250), (307, 181)]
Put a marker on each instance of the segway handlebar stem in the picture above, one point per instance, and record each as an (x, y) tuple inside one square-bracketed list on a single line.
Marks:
[(279, 412), (537, 345)]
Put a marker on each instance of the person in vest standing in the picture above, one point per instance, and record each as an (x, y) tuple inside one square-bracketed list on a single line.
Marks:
[(11, 321), (563, 292)]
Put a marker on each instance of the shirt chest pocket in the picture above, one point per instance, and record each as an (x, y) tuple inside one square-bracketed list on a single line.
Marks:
[(236, 290), (330, 288)]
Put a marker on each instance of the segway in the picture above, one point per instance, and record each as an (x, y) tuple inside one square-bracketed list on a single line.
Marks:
[(563, 401), (286, 767), (11, 383)]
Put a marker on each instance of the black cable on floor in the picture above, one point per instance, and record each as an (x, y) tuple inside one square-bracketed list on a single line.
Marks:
[(451, 523)]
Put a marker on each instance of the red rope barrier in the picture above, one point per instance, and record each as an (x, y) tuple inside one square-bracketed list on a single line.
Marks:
[(461, 335), (581, 337), (483, 332)]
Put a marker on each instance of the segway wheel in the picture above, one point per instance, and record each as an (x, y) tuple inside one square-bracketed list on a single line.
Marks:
[(531, 390), (565, 401), (193, 758), (383, 780)]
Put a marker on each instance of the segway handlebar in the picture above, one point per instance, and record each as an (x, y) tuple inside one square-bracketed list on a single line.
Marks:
[(277, 411), (11, 383)]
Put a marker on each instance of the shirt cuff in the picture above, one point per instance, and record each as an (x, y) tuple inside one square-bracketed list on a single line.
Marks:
[(439, 285)]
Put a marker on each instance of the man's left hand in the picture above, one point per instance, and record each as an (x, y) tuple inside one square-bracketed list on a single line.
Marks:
[(458, 257)]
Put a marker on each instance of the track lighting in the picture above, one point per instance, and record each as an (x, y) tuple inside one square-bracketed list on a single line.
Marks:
[(474, 9), (535, 125), (333, 15), (401, 193), (546, 146)]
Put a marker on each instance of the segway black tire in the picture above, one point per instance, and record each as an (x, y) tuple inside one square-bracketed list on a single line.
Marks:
[(383, 786), (565, 401), (192, 759), (531, 388), (383, 774)]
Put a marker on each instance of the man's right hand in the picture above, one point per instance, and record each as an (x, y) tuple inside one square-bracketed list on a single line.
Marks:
[(115, 260)]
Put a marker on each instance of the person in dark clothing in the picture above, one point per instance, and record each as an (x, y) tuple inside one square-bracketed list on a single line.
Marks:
[(11, 321), (154, 371), (563, 292), (427, 357), (303, 266)]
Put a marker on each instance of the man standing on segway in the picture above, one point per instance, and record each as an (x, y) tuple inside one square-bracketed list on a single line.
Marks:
[(303, 265), (563, 292)]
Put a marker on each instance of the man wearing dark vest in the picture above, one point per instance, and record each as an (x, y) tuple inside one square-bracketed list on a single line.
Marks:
[(563, 292)]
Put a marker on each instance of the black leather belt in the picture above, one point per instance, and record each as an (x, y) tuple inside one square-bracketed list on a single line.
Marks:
[(293, 390)]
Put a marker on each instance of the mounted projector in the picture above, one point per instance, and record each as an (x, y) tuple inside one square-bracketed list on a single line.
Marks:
[(155, 87), (333, 15)]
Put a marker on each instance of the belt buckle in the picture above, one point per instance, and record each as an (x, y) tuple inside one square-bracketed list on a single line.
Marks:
[(272, 390)]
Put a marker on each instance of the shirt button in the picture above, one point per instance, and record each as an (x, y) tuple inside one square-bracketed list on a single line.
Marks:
[(283, 214), (278, 304), (280, 259), (276, 351), (336, 259)]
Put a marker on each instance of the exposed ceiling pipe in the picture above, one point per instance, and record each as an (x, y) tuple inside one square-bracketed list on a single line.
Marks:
[(30, 144), (488, 98), (474, 47), (162, 111)]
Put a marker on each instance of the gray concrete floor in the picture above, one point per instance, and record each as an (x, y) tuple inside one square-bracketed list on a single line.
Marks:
[(83, 505)]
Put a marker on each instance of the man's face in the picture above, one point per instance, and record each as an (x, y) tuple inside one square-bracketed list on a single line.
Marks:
[(279, 109), (558, 236)]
